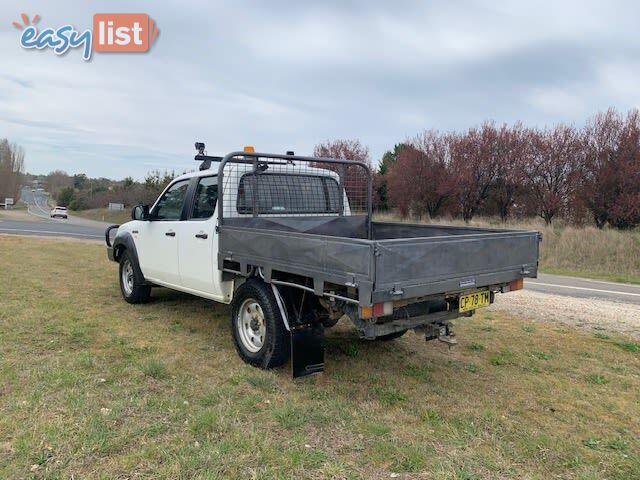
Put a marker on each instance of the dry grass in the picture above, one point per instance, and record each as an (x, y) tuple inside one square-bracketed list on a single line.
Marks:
[(18, 214), (91, 387), (607, 254), (105, 215)]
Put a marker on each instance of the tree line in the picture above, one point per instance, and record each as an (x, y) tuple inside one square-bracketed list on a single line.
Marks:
[(11, 170), (588, 174), (583, 175), (79, 192)]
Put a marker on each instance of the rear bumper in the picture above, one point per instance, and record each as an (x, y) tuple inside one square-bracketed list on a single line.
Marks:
[(370, 330)]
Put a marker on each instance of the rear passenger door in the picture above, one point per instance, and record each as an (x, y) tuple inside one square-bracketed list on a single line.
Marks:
[(198, 245)]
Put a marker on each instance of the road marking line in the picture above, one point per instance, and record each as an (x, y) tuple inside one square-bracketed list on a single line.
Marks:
[(38, 205), (50, 232), (584, 288), (589, 280)]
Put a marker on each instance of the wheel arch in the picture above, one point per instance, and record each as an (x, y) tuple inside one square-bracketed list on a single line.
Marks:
[(125, 242)]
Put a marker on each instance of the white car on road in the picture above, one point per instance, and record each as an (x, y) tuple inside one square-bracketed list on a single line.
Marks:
[(59, 212)]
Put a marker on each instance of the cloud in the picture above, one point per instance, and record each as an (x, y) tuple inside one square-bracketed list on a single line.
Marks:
[(282, 75), (557, 101)]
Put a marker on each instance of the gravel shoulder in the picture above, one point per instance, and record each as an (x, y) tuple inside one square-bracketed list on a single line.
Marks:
[(586, 313)]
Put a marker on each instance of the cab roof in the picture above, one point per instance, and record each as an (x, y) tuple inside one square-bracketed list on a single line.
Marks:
[(241, 168)]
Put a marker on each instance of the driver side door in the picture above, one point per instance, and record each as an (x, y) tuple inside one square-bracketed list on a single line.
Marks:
[(157, 241)]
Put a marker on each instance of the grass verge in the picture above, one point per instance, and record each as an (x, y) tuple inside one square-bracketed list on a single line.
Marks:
[(105, 215), (91, 387)]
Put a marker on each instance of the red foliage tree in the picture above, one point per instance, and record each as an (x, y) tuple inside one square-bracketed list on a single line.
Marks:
[(475, 165), (418, 181), (611, 176), (353, 178), (512, 150), (552, 169)]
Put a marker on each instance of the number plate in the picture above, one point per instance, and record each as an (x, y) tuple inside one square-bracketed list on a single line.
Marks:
[(474, 300)]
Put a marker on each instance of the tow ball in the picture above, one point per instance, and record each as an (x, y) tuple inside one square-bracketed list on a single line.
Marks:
[(442, 332), (447, 335)]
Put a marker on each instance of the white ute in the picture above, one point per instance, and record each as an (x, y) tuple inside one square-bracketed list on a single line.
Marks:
[(290, 243)]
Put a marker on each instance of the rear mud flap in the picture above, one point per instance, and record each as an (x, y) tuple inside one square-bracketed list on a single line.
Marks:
[(307, 350)]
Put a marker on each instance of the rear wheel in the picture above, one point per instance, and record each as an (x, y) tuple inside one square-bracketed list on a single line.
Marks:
[(132, 284), (259, 334)]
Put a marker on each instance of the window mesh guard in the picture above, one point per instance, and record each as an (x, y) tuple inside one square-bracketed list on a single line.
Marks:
[(260, 184)]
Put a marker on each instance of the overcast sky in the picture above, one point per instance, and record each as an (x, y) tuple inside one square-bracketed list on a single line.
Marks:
[(285, 75)]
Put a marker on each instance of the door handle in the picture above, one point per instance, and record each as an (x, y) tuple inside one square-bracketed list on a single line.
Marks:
[(202, 235), (170, 234)]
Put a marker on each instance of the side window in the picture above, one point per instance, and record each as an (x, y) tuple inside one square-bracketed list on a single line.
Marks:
[(169, 207), (204, 203)]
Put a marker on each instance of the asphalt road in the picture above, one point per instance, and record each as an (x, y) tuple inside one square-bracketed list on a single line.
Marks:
[(584, 288), (76, 227), (42, 224)]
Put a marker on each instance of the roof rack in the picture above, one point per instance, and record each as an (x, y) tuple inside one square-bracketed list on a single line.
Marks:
[(205, 159)]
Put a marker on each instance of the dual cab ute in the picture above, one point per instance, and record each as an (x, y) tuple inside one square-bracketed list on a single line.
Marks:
[(290, 243)]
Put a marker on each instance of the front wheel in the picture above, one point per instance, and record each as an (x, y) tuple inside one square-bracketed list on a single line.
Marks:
[(259, 334), (132, 285)]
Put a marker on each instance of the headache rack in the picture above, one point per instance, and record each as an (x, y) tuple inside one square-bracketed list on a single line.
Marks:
[(288, 186)]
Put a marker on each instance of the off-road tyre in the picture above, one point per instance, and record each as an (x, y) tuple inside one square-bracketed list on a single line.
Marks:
[(257, 300), (132, 283)]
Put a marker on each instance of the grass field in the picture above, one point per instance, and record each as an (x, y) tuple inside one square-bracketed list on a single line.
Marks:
[(105, 215), (91, 387), (20, 207)]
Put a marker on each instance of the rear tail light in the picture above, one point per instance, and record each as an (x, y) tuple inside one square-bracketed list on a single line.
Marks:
[(516, 285), (377, 310)]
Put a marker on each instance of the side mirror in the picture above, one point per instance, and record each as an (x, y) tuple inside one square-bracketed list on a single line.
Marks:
[(140, 212)]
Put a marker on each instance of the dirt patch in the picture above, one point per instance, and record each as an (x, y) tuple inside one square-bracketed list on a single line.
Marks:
[(590, 314)]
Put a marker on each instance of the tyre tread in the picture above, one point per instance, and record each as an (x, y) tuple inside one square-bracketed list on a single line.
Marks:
[(141, 292), (278, 345)]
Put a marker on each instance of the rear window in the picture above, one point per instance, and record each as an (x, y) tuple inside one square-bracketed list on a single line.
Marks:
[(273, 193)]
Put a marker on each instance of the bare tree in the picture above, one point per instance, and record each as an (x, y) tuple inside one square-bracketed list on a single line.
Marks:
[(57, 180), (11, 169)]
